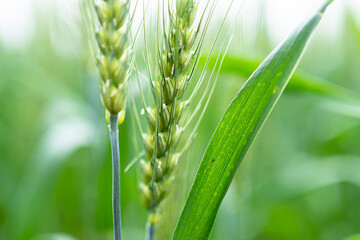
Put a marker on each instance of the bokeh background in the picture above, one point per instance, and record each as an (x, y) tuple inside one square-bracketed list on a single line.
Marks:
[(300, 179)]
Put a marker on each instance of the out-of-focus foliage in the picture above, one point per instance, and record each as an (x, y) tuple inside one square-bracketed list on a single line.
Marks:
[(300, 179)]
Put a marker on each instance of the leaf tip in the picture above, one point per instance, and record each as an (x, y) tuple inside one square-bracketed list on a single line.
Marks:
[(324, 7)]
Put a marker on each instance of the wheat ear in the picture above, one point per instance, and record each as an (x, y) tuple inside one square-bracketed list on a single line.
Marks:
[(114, 63), (176, 64), (177, 59)]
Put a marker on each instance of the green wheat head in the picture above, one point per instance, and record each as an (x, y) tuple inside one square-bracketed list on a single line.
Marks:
[(176, 60), (114, 58)]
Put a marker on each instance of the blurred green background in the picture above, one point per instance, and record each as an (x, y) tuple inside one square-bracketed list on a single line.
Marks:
[(300, 179)]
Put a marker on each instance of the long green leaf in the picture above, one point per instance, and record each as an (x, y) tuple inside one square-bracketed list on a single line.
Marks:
[(301, 81), (237, 130)]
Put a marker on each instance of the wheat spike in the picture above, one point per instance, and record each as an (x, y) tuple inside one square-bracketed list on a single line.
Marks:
[(114, 60), (175, 66)]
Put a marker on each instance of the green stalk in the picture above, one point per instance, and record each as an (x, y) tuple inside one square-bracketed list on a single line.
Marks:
[(150, 229), (115, 151)]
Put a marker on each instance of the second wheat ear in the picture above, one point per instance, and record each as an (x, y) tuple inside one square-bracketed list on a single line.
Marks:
[(163, 119), (176, 61)]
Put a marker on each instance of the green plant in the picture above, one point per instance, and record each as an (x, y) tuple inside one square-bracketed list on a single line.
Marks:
[(55, 156), (176, 60), (113, 61)]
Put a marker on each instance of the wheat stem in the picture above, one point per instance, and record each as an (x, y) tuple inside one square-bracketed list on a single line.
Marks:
[(109, 24), (115, 151), (150, 230)]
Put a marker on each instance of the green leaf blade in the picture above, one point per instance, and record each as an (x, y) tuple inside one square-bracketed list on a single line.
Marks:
[(237, 130)]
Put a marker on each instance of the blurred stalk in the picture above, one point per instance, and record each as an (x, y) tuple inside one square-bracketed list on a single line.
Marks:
[(150, 229), (115, 151)]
